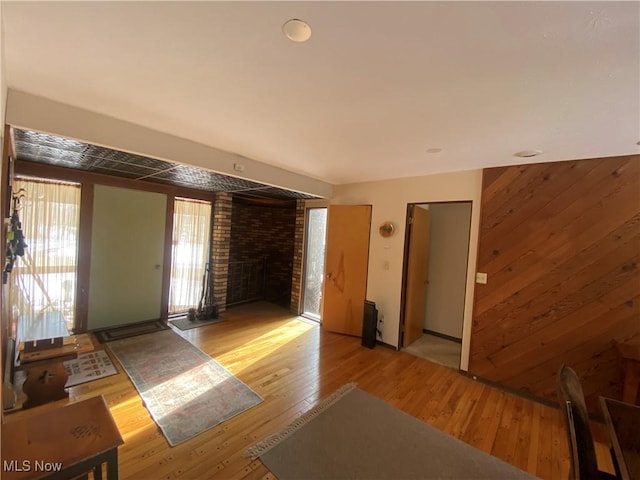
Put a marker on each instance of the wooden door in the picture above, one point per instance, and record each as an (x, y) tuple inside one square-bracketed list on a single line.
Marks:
[(346, 265), (127, 256), (415, 305)]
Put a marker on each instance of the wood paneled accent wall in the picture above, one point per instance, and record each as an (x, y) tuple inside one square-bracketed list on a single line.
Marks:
[(560, 243)]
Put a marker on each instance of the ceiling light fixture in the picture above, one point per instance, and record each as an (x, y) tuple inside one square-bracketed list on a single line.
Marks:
[(296, 30), (527, 153)]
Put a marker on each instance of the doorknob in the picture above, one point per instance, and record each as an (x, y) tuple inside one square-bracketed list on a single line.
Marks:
[(329, 274)]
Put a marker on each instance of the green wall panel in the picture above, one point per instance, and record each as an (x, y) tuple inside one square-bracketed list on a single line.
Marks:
[(127, 254)]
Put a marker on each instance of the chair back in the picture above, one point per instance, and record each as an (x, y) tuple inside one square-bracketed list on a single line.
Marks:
[(584, 465)]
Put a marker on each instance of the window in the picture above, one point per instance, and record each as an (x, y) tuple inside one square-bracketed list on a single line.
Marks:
[(190, 253), (314, 262), (43, 281)]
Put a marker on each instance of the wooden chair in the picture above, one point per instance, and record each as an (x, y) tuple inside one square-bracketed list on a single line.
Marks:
[(584, 465)]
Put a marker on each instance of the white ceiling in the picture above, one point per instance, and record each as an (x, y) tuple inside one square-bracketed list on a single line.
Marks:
[(377, 85)]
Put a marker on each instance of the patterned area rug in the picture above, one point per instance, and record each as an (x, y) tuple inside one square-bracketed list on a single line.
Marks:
[(185, 390)]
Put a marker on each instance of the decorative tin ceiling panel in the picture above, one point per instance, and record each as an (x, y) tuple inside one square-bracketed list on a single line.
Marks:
[(273, 192), (203, 179), (43, 148), (53, 150)]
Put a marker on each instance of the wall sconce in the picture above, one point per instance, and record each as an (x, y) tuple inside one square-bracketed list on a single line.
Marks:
[(386, 229)]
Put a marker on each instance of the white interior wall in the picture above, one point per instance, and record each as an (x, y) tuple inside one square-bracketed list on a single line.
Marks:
[(389, 199), (448, 247)]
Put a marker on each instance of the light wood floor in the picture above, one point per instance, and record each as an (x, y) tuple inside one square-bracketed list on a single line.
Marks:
[(292, 364)]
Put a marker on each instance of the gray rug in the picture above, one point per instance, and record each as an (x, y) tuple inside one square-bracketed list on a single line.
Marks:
[(183, 323), (354, 435)]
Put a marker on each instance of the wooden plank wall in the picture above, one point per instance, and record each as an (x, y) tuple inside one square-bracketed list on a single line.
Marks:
[(560, 243)]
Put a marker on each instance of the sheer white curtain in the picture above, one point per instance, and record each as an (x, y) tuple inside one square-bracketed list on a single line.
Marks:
[(190, 253), (43, 281)]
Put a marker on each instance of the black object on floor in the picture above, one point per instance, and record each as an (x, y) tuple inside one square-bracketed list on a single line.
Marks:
[(369, 324)]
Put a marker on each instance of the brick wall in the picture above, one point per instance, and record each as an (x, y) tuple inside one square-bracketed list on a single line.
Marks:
[(298, 248), (221, 236), (259, 231)]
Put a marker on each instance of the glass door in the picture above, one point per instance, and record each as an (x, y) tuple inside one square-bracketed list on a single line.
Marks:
[(314, 262)]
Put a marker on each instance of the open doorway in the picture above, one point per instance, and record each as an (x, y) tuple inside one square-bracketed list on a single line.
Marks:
[(434, 281), (315, 245)]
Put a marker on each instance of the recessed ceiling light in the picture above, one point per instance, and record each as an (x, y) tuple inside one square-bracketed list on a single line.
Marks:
[(434, 150), (527, 153), (296, 30)]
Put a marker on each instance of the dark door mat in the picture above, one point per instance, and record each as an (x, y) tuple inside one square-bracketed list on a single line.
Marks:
[(183, 323), (125, 331)]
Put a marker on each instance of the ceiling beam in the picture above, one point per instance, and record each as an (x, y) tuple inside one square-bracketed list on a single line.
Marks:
[(32, 112)]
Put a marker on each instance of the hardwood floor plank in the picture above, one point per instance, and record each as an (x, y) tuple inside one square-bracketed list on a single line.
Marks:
[(293, 365), (532, 453), (465, 410), (545, 444), (559, 464)]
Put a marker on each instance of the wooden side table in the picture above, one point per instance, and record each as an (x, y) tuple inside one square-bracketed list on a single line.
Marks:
[(62, 443), (630, 352)]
